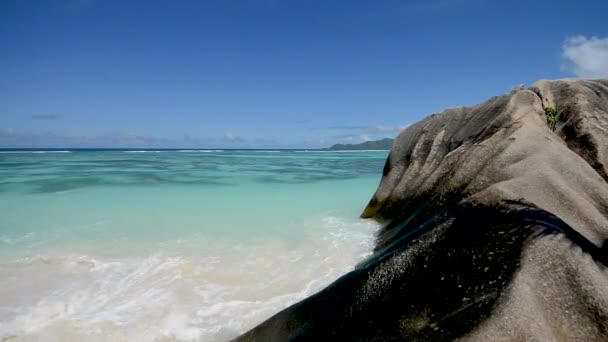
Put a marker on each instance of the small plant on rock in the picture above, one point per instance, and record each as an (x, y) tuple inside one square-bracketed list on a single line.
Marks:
[(551, 114)]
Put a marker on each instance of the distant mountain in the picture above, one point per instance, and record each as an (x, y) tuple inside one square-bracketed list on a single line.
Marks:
[(384, 144)]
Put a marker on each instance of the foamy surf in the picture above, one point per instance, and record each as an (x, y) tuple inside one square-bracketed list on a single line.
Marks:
[(190, 289)]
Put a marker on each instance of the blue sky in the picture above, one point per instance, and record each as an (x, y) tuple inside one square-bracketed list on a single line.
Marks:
[(272, 73)]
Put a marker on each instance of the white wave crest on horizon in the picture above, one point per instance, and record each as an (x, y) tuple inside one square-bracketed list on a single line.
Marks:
[(143, 151), (176, 151), (146, 151), (36, 152)]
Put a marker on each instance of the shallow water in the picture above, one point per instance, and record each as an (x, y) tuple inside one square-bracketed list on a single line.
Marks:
[(173, 245)]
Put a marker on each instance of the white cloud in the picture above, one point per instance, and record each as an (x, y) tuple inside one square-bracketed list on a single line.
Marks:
[(391, 130), (371, 130), (10, 138), (355, 139), (355, 134), (231, 138), (588, 57)]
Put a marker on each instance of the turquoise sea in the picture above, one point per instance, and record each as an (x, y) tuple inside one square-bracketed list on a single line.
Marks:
[(128, 245)]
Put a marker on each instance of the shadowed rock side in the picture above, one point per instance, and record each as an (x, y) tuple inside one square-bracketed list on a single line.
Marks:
[(495, 228)]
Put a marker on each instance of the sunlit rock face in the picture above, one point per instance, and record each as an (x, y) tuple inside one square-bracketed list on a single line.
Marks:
[(495, 227)]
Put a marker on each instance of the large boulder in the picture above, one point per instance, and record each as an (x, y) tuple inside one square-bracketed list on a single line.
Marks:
[(495, 228)]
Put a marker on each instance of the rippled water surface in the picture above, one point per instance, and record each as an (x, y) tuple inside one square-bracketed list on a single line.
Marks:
[(173, 245)]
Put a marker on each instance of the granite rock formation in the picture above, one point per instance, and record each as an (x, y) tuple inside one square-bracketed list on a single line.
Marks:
[(495, 227)]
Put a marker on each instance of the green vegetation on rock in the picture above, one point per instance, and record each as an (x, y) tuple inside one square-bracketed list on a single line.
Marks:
[(551, 114)]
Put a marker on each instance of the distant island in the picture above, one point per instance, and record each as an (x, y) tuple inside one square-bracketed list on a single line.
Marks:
[(384, 144)]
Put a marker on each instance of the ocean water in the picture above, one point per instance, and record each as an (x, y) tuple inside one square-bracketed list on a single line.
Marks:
[(192, 245)]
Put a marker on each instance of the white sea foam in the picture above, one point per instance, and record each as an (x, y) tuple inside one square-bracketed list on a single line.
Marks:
[(191, 289)]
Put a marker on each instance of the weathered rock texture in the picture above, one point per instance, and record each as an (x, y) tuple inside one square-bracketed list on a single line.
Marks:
[(495, 228)]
